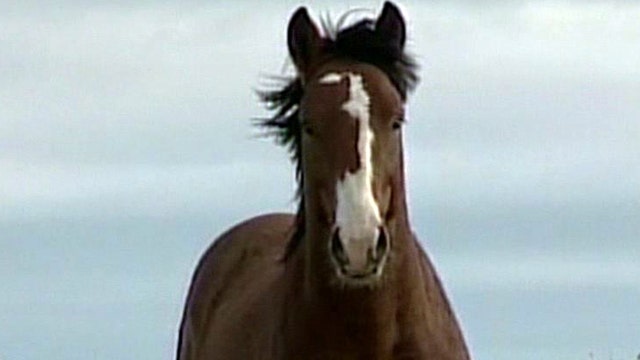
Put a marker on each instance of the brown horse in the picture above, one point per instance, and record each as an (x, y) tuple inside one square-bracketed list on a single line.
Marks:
[(344, 278)]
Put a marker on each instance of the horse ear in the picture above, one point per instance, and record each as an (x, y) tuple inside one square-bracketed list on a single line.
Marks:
[(303, 39), (390, 25)]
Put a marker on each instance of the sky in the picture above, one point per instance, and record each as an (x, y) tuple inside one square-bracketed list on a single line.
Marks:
[(126, 146)]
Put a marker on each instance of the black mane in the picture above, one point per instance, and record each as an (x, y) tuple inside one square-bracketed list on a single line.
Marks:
[(358, 42)]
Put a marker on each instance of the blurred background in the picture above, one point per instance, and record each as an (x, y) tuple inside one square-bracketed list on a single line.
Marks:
[(126, 146)]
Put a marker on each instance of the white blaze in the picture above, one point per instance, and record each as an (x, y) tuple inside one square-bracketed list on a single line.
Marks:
[(357, 213), (331, 78)]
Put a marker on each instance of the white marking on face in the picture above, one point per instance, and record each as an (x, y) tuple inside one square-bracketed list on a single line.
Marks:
[(357, 213), (331, 78)]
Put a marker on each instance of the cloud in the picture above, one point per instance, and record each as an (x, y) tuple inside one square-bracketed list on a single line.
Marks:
[(38, 192), (130, 85), (541, 272), (526, 103)]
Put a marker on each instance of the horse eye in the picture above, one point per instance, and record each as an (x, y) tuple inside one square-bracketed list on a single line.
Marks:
[(307, 129), (398, 121)]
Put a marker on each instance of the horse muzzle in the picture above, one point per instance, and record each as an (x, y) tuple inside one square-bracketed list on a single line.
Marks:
[(360, 258)]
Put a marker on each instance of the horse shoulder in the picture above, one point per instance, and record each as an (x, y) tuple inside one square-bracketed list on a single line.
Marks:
[(241, 259), (441, 313)]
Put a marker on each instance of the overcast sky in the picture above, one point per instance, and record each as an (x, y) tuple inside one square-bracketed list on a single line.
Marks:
[(523, 143), (518, 102)]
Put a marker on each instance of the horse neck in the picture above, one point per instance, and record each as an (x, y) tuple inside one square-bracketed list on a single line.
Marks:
[(322, 318)]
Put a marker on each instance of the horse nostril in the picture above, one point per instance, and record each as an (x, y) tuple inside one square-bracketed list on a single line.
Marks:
[(337, 249), (382, 244)]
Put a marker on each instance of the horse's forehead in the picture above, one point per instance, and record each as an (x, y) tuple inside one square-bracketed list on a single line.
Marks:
[(330, 86), (370, 75)]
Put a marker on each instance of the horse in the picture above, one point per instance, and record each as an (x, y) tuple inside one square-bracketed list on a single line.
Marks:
[(344, 277)]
